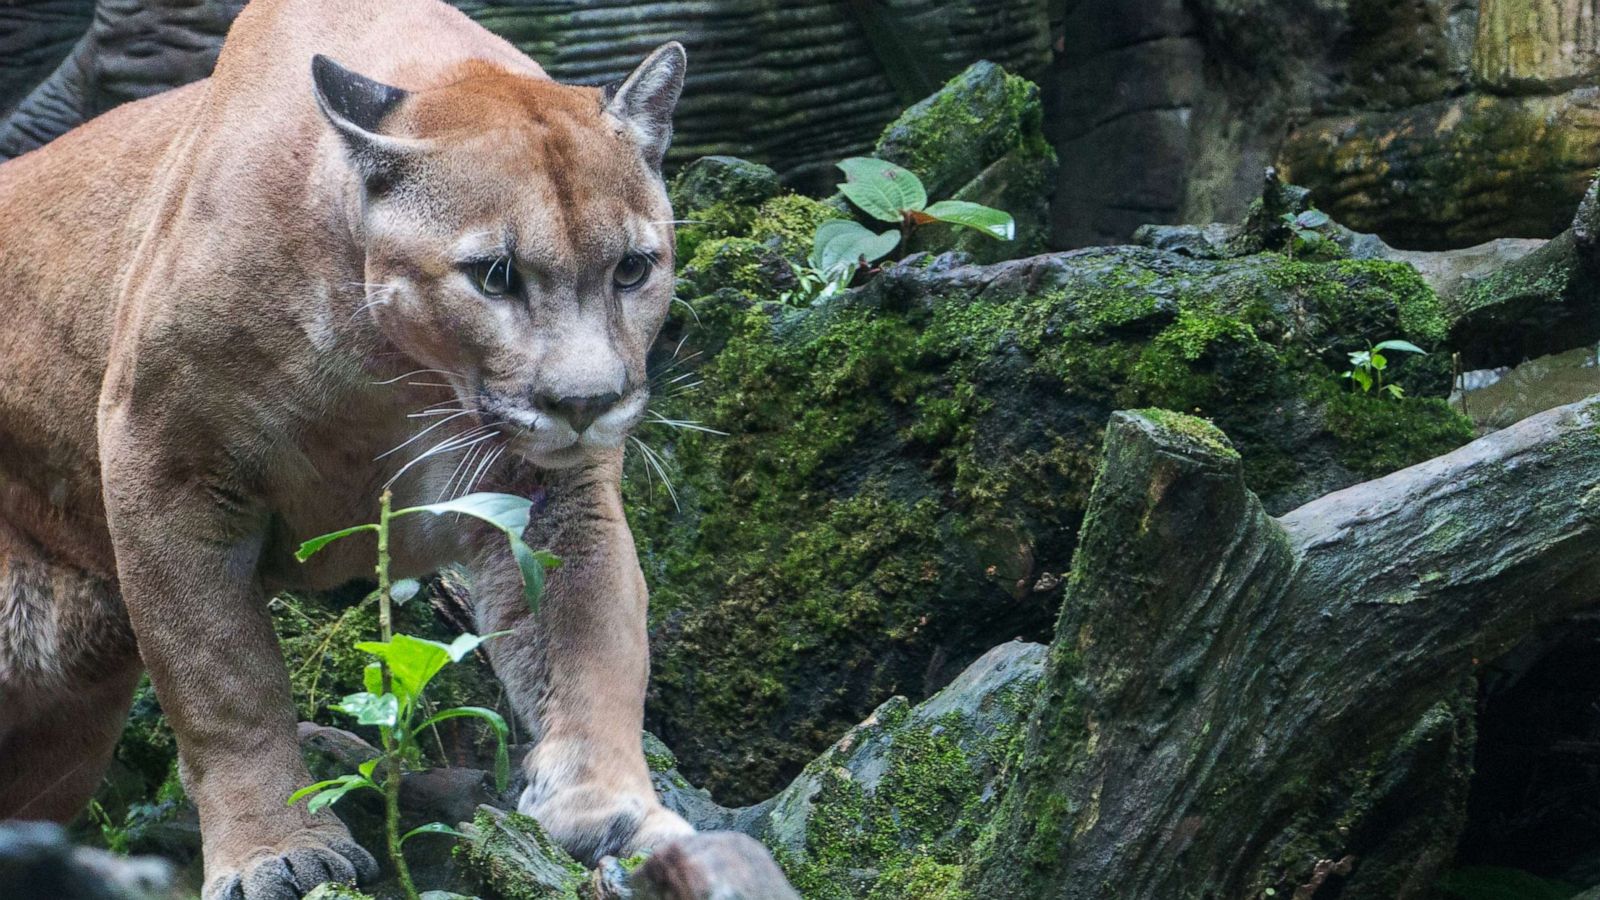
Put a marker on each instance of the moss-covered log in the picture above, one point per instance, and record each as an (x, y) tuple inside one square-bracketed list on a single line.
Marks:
[(1226, 690)]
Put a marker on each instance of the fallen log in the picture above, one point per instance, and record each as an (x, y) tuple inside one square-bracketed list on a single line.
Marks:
[(1226, 690)]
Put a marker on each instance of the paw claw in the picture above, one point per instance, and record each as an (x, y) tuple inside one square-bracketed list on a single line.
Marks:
[(295, 871)]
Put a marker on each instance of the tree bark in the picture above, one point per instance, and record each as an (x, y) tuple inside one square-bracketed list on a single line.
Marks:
[(1227, 693)]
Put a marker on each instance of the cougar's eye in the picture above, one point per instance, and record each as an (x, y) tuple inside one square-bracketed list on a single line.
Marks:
[(495, 277), (631, 270)]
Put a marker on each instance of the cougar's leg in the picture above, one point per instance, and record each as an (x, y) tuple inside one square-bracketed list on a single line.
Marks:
[(576, 671), (67, 672), (188, 548)]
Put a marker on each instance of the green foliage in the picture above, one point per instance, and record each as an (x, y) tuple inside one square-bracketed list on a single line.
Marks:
[(882, 189), (505, 512), (397, 682), (1367, 367), (889, 193), (902, 462), (1304, 236)]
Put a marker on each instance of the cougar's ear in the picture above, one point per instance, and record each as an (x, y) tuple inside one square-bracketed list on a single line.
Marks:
[(356, 105), (645, 101)]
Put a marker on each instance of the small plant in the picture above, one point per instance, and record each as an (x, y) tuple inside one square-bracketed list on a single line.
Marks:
[(811, 286), (1367, 367), (889, 193), (404, 665), (1303, 234)]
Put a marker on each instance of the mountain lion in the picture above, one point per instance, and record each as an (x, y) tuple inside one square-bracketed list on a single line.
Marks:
[(233, 314)]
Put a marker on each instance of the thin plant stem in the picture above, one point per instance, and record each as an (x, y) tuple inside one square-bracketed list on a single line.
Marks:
[(391, 752)]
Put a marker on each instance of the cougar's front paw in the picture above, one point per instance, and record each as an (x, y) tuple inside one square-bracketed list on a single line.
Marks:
[(591, 823), (290, 871)]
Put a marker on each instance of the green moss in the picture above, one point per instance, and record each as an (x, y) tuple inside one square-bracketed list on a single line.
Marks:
[(979, 116), (1378, 434), (900, 464), (332, 891), (514, 858), (907, 835), (736, 263), (1199, 431), (657, 755), (920, 878), (788, 223)]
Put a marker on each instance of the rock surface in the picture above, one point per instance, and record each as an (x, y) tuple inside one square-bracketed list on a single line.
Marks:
[(905, 466), (39, 862)]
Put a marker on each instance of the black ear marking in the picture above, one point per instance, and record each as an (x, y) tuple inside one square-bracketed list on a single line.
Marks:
[(355, 99), (356, 106)]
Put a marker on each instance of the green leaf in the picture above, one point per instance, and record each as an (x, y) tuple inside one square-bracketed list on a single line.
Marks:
[(1402, 346), (326, 793), (1312, 218), (1395, 391), (330, 796), (317, 543), (370, 766), (502, 759), (992, 222), (313, 788), (466, 643), (509, 513), (1378, 361), (1361, 358), (1362, 378), (430, 828), (532, 569), (506, 512), (372, 678), (404, 590), (882, 189), (841, 245), (412, 663), (372, 709)]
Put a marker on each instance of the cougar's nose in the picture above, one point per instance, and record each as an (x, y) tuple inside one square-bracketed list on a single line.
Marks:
[(580, 412)]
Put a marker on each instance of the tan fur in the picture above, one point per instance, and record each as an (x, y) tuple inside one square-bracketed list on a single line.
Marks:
[(210, 308)]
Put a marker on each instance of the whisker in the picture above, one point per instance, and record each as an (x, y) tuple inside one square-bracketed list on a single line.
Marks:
[(653, 460), (418, 372), (448, 445), (690, 306), (658, 419), (483, 469), (463, 465), (418, 436)]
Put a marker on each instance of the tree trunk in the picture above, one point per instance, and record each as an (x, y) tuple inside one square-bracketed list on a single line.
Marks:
[(1228, 693)]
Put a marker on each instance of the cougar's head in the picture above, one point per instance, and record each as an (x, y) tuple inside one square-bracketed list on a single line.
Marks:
[(517, 236)]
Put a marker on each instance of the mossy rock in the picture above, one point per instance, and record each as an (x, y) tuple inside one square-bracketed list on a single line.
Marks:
[(905, 467), (980, 138), (890, 811), (512, 858)]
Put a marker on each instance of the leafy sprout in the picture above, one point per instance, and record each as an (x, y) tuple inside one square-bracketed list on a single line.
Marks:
[(1304, 236), (1367, 367), (403, 666), (889, 193)]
